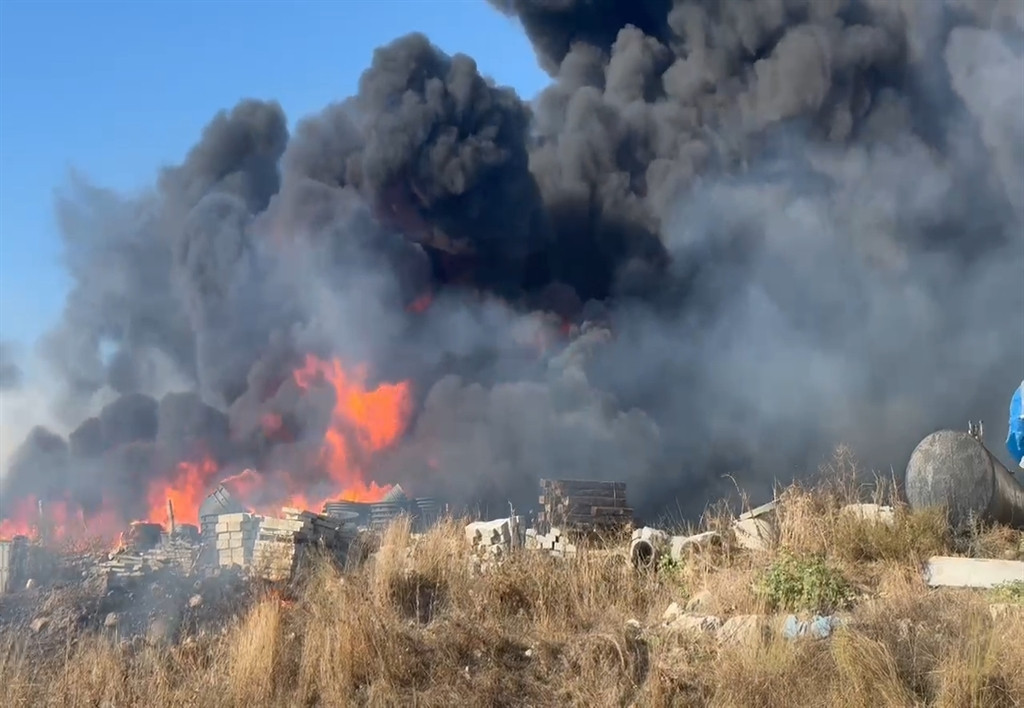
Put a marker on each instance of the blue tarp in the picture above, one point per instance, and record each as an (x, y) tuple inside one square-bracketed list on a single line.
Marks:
[(1015, 438)]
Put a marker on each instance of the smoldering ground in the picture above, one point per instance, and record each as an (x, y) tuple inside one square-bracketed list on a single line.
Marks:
[(787, 223)]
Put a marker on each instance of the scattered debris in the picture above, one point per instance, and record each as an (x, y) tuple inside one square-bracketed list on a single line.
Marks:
[(744, 630), (694, 624), (818, 627)]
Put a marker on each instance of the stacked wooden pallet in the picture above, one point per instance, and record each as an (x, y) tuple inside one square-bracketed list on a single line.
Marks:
[(583, 506)]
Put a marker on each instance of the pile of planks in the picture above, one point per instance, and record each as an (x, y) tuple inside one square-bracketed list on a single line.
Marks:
[(583, 506)]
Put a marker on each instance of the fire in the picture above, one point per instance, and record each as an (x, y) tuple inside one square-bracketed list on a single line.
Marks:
[(23, 521), (363, 421), (274, 428), (55, 520), (186, 489)]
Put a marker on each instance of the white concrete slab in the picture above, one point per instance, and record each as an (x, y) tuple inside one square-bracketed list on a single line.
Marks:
[(947, 571)]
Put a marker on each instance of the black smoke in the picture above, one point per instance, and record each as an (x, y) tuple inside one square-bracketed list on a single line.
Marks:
[(771, 225)]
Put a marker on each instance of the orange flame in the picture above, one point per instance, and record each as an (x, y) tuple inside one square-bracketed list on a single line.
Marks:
[(363, 421), (186, 489)]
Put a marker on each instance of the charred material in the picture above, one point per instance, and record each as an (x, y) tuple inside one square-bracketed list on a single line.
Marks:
[(955, 470)]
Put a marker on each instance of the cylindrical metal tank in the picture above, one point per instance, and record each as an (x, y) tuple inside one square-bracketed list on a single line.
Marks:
[(427, 511), (348, 511), (955, 470), (384, 512), (218, 502)]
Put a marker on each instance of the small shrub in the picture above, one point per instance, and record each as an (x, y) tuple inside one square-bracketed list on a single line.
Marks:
[(803, 583), (1012, 592)]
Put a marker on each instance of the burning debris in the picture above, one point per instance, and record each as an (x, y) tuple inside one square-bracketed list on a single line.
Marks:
[(417, 289)]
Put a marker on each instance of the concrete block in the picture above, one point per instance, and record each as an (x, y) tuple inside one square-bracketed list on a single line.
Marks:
[(231, 518), (672, 612), (483, 531), (270, 524), (744, 630), (871, 512), (759, 512), (947, 571), (754, 533), (694, 624), (229, 526)]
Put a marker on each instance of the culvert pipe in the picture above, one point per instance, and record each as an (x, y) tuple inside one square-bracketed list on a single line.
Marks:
[(955, 470), (646, 548)]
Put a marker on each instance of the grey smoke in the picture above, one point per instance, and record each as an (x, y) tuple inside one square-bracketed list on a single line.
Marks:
[(789, 224), (10, 372)]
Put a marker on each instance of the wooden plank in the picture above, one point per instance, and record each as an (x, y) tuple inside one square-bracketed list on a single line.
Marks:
[(593, 518), (611, 511), (592, 501), (572, 484)]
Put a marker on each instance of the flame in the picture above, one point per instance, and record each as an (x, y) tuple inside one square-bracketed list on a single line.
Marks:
[(186, 488), (55, 520), (23, 520), (363, 421)]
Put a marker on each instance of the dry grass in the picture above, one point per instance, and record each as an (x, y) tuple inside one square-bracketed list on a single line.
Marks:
[(417, 627)]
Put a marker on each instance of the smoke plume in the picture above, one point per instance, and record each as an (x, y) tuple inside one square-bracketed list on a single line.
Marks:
[(726, 237), (10, 371)]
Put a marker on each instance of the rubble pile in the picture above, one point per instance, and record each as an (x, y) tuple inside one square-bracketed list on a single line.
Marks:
[(173, 553)]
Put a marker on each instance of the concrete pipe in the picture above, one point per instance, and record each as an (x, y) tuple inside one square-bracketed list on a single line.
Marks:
[(646, 548), (955, 470)]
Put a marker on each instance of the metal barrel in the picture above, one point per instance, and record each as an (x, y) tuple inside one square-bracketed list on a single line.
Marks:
[(351, 512), (218, 502), (384, 512), (955, 470), (427, 511)]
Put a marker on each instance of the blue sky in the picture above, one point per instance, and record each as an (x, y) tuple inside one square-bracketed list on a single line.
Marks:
[(116, 89)]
